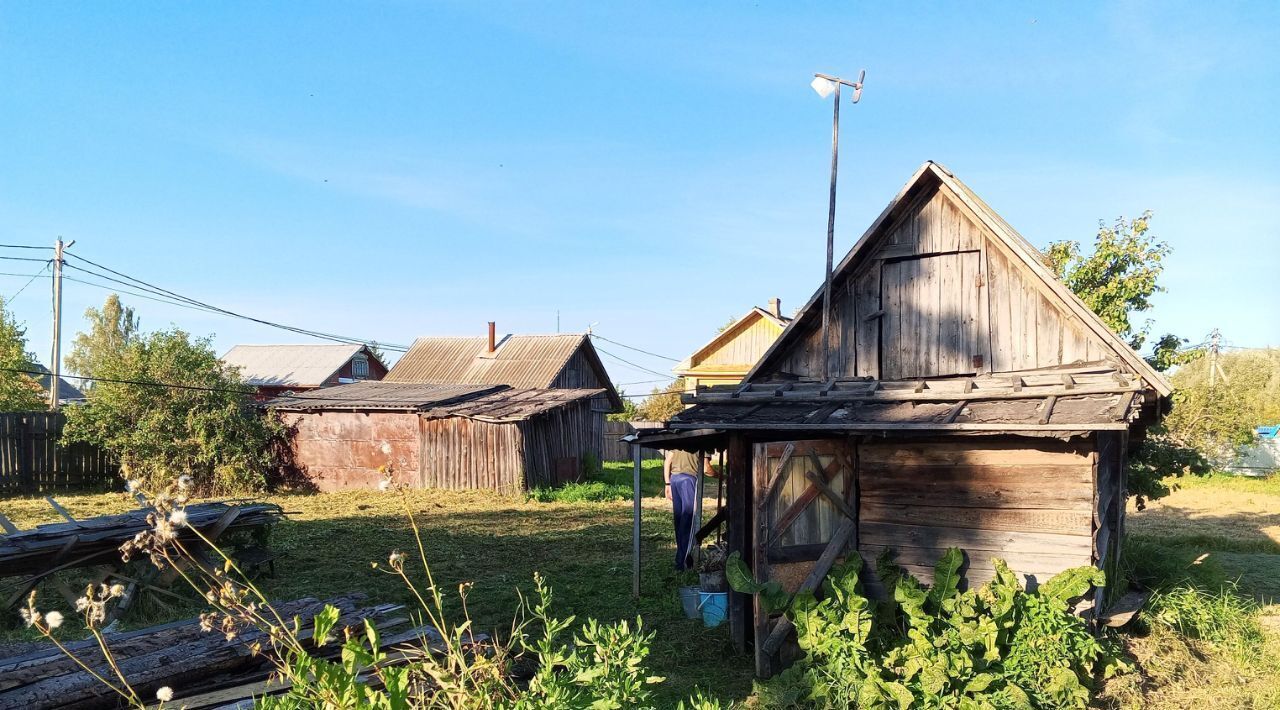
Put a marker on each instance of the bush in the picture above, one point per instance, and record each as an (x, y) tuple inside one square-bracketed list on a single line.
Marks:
[(588, 491), (994, 646)]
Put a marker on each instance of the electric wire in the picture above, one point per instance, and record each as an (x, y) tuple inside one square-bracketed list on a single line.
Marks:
[(633, 365), (629, 347), (158, 291), (29, 282)]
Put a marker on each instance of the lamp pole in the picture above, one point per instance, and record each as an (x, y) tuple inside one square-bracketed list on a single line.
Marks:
[(826, 84)]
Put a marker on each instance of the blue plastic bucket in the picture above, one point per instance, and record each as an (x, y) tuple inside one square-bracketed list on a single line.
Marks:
[(689, 600), (714, 607)]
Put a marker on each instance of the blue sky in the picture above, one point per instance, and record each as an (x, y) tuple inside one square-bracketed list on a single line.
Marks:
[(388, 170)]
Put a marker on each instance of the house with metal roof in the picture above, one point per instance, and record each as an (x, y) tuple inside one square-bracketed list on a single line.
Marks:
[(559, 361), (480, 436), (728, 357), (277, 369)]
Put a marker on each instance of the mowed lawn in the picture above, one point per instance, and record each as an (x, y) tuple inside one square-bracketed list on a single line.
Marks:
[(1228, 526), (330, 541)]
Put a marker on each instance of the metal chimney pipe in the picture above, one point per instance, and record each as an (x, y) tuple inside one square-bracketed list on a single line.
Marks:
[(493, 335)]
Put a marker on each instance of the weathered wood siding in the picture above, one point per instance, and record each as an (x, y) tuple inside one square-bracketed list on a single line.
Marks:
[(465, 453), (338, 450), (555, 444), (1026, 501), (939, 295), (1110, 497), (580, 373)]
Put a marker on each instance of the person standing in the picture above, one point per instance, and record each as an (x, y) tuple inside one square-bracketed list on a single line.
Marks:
[(679, 472)]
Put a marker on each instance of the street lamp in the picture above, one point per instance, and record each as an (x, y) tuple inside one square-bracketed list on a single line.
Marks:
[(826, 85)]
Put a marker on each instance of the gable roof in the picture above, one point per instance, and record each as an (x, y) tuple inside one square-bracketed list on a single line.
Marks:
[(290, 365), (1027, 255), (522, 361), (755, 314), (67, 392)]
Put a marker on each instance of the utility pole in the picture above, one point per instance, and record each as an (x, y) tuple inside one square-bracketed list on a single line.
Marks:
[(56, 366), (1214, 337), (825, 84)]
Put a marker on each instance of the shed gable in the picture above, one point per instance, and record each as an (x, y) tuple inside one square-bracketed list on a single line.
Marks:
[(932, 290)]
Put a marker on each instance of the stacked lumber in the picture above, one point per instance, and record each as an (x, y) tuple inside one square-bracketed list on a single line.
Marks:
[(95, 540), (203, 669)]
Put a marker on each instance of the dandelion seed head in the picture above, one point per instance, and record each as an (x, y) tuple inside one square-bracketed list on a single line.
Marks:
[(384, 485), (117, 590), (397, 559), (164, 694), (178, 517), (386, 448), (53, 619)]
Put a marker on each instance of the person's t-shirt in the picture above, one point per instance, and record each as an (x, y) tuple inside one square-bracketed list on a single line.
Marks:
[(685, 462)]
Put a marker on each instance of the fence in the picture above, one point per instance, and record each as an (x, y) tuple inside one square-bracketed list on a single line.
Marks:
[(615, 450), (34, 459)]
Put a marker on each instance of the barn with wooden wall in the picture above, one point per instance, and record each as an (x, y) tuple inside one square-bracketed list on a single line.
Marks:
[(439, 436), (970, 400)]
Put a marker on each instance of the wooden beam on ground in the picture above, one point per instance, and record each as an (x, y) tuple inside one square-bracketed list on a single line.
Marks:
[(59, 509), (7, 525)]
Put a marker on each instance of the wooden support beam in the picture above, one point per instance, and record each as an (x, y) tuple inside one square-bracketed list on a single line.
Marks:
[(59, 509), (955, 411), (835, 548), (784, 387), (744, 387), (1068, 381), (774, 485), (827, 387), (968, 385), (919, 387), (801, 502), (820, 415), (738, 536), (748, 412), (831, 495), (919, 391), (7, 525), (711, 525), (1046, 409), (873, 315), (921, 426), (1016, 383)]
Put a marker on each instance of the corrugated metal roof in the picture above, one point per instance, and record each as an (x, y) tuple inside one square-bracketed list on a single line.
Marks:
[(379, 395), (289, 365), (67, 392), (519, 360), (487, 402)]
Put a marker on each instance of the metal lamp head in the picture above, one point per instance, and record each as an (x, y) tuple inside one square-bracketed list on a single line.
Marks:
[(824, 87)]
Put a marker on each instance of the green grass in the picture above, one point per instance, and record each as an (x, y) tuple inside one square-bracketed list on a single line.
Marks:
[(497, 542)]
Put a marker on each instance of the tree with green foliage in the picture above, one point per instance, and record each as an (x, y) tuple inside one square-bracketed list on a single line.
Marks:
[(1117, 279), (662, 404), (195, 421), (1218, 417), (111, 330), (629, 409), (18, 391)]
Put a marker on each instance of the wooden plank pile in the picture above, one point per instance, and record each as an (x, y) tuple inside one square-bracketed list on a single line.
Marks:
[(203, 669), (57, 546)]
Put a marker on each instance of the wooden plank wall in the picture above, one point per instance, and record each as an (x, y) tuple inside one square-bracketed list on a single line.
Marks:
[(884, 333), (615, 450), (1026, 501), (462, 453), (747, 343), (34, 458), (563, 433), (1109, 509)]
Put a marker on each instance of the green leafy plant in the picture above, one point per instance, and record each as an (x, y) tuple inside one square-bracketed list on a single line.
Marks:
[(995, 646), (586, 491)]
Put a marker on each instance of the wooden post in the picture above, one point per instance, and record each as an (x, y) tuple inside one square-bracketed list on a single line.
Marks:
[(697, 507), (26, 479), (831, 237), (737, 477), (635, 523)]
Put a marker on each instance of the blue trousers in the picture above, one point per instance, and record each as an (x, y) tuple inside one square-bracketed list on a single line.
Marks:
[(684, 495)]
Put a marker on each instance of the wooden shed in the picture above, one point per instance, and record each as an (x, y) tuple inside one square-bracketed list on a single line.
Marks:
[(971, 400), (439, 436)]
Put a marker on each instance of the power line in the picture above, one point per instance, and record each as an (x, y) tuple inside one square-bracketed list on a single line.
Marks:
[(165, 293), (170, 385), (22, 258), (28, 283), (633, 365), (628, 347), (24, 246)]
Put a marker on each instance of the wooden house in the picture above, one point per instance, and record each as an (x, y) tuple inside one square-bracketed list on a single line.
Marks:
[(560, 361), (438, 436), (729, 356), (276, 369), (970, 400)]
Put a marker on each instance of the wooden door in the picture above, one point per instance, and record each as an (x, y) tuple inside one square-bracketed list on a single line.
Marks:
[(930, 321), (805, 504)]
